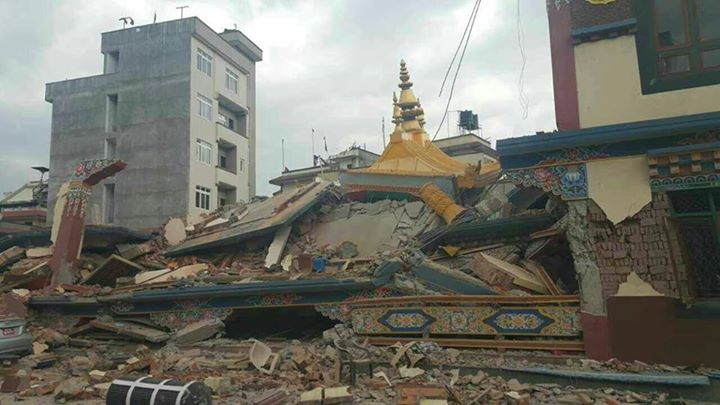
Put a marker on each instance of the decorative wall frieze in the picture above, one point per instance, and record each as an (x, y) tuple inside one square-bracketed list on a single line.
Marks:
[(568, 181)]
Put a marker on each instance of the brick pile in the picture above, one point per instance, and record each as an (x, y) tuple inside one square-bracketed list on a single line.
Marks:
[(639, 244)]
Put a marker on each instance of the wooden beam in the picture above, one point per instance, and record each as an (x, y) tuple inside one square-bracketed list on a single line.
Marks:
[(553, 345), (469, 299), (539, 271), (521, 277)]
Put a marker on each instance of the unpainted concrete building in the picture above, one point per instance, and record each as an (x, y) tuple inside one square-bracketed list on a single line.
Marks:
[(176, 101)]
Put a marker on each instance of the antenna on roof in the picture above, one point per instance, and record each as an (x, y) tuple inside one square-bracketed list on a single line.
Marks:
[(383, 130), (182, 9), (126, 21), (154, 17)]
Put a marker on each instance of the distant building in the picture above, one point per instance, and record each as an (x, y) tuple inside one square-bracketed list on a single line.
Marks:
[(24, 208), (176, 101), (351, 158), (468, 148)]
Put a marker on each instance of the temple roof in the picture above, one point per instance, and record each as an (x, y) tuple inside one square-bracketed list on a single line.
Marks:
[(410, 151)]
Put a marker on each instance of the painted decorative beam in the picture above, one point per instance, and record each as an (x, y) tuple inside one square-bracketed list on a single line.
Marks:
[(66, 247), (551, 345)]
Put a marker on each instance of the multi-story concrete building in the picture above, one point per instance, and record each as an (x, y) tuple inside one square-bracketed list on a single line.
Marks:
[(176, 101)]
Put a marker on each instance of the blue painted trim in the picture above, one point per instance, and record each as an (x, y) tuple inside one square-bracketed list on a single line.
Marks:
[(603, 30), (609, 134), (684, 149), (642, 378)]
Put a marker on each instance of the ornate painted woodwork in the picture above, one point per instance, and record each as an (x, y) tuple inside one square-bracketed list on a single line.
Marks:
[(469, 316), (482, 320), (72, 221), (568, 181), (685, 167)]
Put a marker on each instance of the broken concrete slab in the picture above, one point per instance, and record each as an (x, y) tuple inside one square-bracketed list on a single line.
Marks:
[(132, 330), (215, 222), (133, 251), (219, 385), (174, 231), (111, 269), (263, 218), (199, 331), (39, 252), (161, 276), (11, 255), (277, 247)]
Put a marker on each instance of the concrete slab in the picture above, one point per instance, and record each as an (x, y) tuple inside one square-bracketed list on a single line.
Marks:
[(175, 231)]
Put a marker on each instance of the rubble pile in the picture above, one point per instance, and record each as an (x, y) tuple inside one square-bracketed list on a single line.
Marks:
[(292, 371), (167, 303)]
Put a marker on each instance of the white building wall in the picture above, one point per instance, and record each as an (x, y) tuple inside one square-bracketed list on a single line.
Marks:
[(212, 87)]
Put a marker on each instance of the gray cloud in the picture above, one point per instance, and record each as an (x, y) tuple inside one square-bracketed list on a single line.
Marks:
[(328, 65)]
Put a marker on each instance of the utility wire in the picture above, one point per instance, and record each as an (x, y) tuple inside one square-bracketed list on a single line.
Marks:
[(452, 62), (523, 97), (457, 71)]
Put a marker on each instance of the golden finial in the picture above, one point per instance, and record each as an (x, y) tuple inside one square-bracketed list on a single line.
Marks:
[(404, 75), (396, 135), (407, 97)]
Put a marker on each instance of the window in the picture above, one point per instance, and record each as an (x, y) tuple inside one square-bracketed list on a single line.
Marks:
[(202, 197), (109, 203), (112, 61), (110, 145), (242, 165), (231, 123), (204, 62), (111, 107), (695, 215), (231, 81), (204, 107), (203, 152), (678, 44)]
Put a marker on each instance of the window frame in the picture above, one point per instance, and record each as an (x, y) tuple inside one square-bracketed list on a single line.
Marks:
[(204, 101), (203, 149), (650, 54), (711, 215), (202, 197), (203, 60), (230, 75)]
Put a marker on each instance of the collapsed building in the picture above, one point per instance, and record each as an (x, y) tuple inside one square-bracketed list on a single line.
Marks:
[(415, 247)]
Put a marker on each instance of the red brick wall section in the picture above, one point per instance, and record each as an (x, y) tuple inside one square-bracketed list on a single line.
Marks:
[(638, 244)]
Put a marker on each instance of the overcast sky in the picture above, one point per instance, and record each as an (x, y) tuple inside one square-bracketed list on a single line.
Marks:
[(328, 65)]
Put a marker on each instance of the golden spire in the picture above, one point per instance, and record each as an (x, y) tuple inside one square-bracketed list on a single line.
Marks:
[(412, 113)]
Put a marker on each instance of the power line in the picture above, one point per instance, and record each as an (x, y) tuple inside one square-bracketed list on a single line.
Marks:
[(467, 26), (457, 71), (523, 98)]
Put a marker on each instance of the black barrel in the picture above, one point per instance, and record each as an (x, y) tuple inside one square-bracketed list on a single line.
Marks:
[(157, 391)]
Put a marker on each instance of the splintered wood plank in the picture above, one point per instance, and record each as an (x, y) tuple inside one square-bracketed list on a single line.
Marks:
[(132, 330), (521, 277), (539, 271), (111, 269)]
